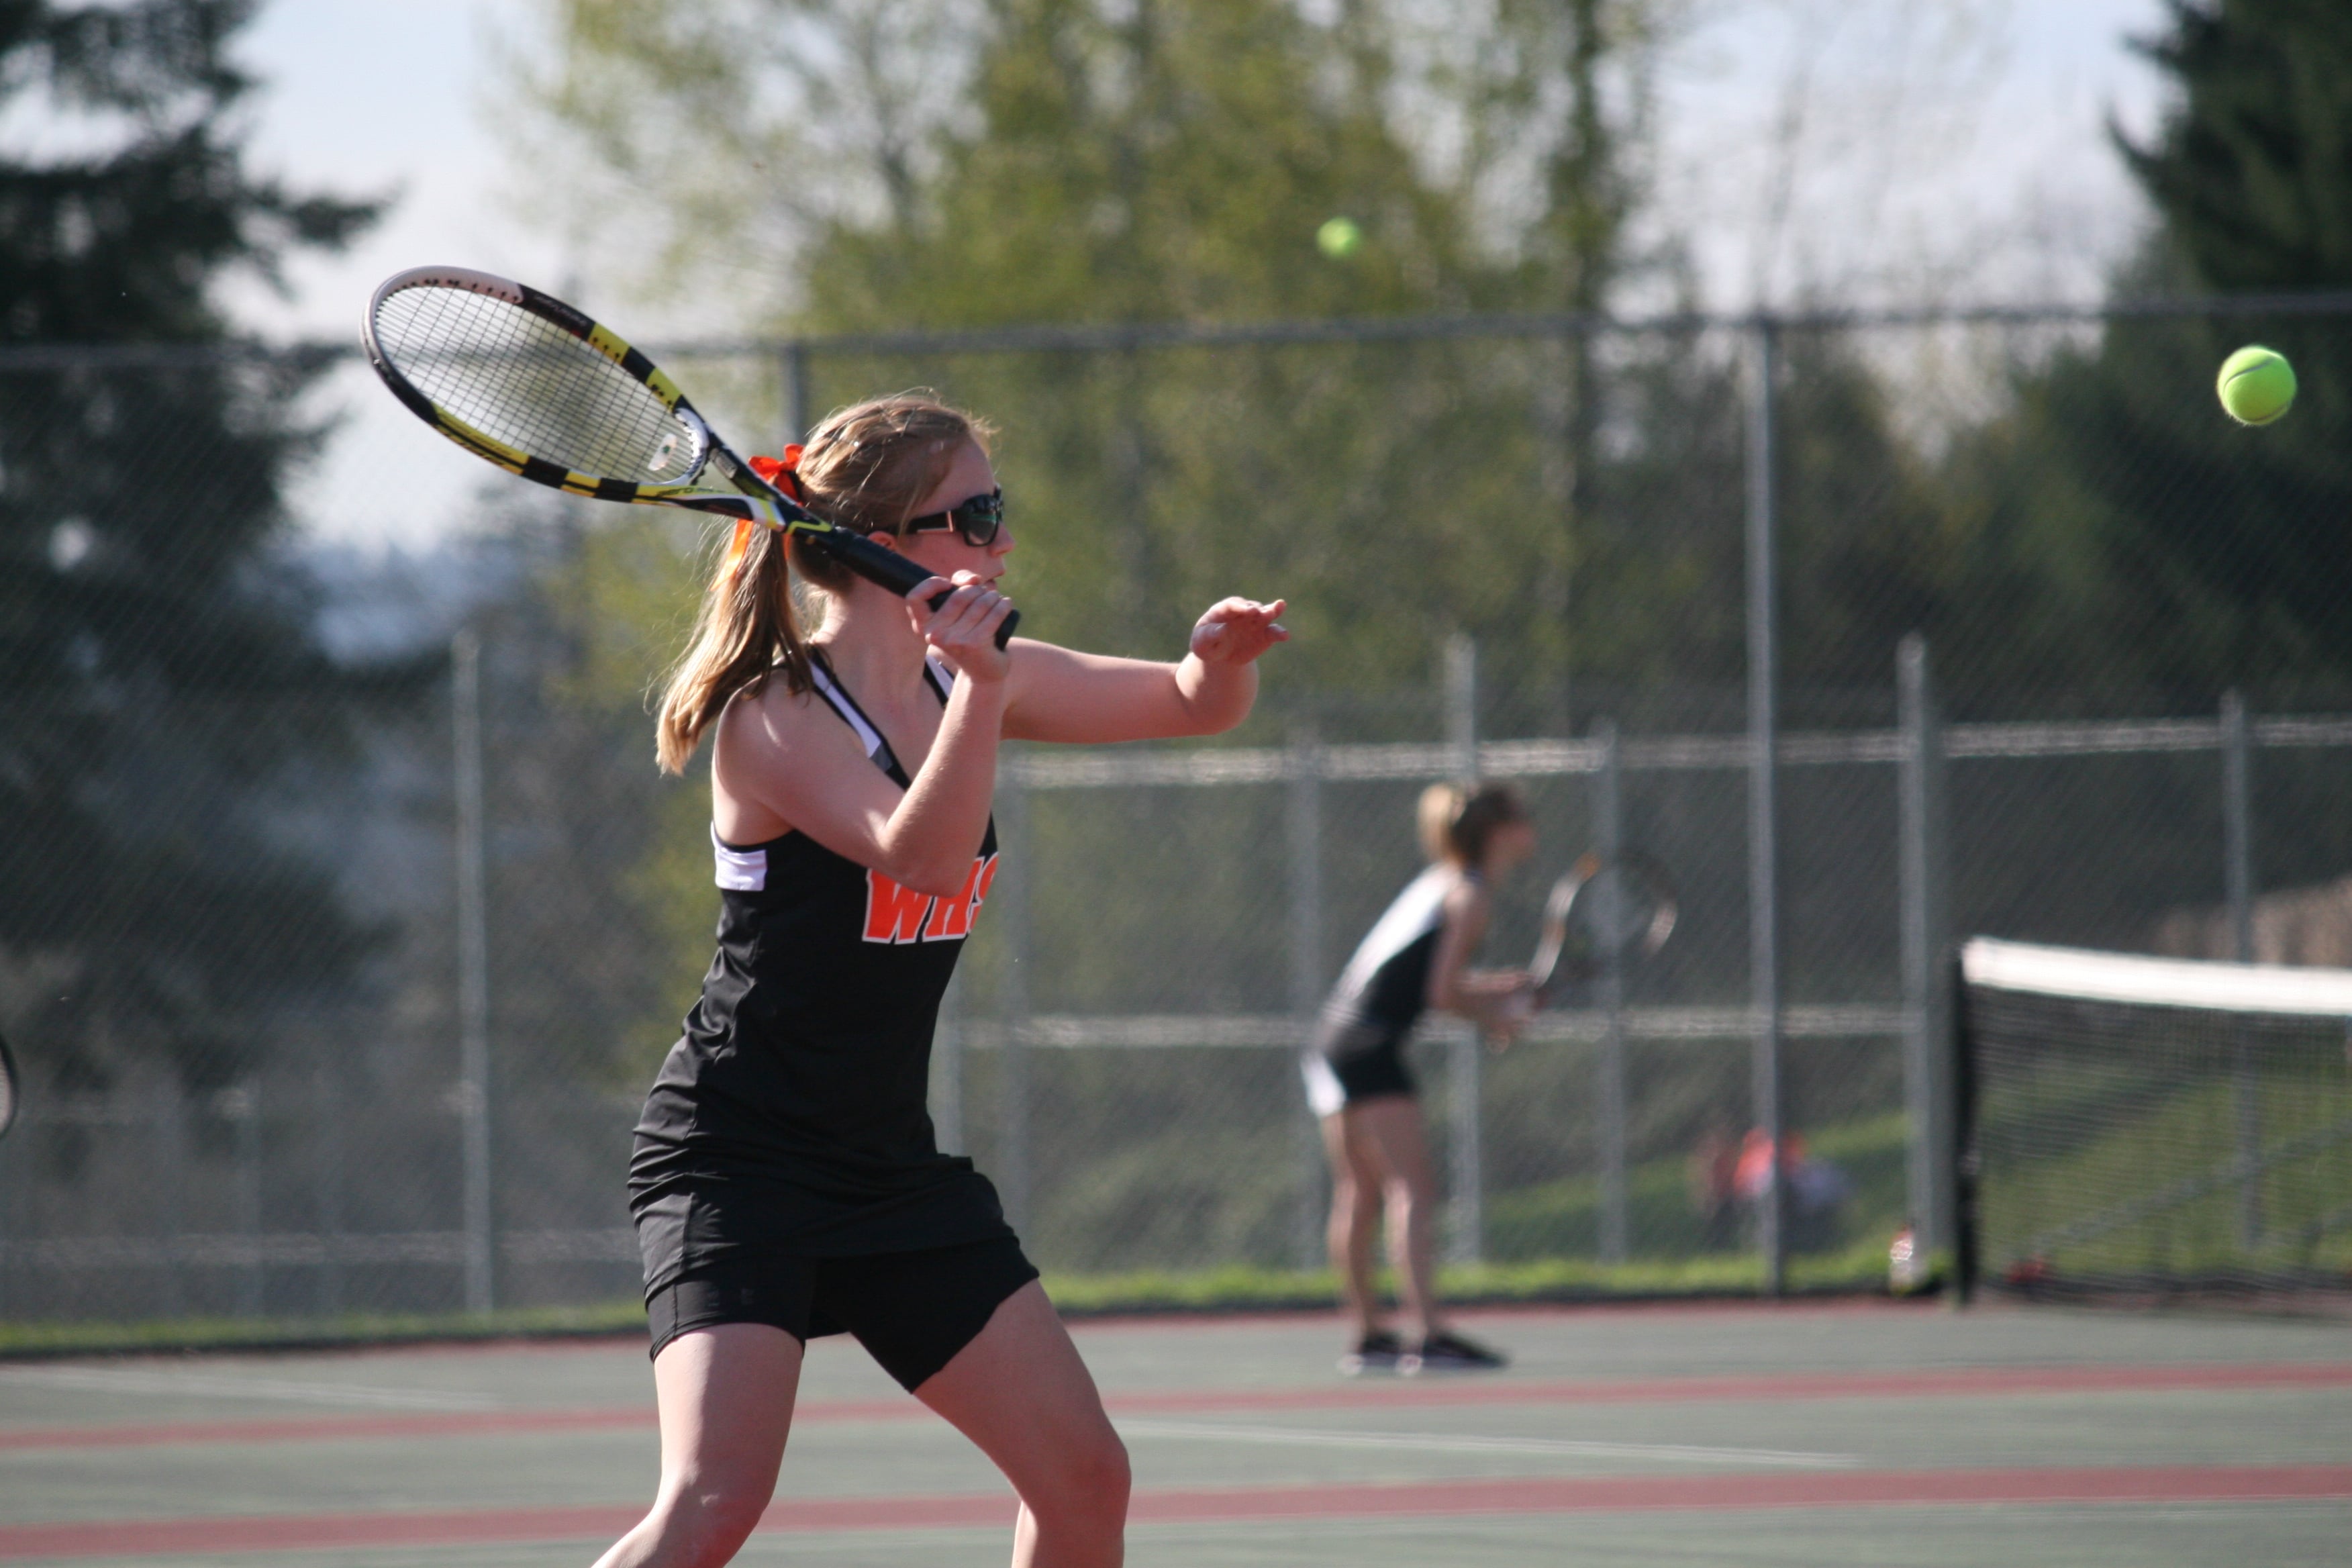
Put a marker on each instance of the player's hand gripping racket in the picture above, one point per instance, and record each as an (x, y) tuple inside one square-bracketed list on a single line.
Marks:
[(1625, 906), (522, 380)]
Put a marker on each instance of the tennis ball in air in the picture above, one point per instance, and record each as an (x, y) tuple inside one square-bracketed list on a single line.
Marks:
[(1340, 238), (2256, 385)]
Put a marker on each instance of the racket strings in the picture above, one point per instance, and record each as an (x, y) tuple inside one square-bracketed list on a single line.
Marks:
[(530, 385), (1615, 908)]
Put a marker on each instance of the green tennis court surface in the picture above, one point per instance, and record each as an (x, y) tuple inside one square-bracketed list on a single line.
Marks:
[(1862, 1434)]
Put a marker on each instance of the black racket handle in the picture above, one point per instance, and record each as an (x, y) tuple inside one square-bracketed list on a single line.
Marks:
[(892, 570)]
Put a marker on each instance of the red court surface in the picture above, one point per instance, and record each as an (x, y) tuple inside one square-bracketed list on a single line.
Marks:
[(1729, 1434)]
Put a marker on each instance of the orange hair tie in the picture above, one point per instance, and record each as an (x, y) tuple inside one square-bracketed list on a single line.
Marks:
[(782, 472)]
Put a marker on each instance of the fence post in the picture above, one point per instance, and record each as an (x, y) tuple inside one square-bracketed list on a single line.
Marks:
[(1467, 1239), (473, 974), (1012, 889), (240, 1106), (1608, 839), (1305, 830), (1926, 971), (946, 1074), (1763, 803), (792, 369), (327, 1135), (2238, 882), (171, 1135)]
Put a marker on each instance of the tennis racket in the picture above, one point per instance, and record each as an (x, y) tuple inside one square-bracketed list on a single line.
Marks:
[(1624, 906), (520, 379), (7, 1086)]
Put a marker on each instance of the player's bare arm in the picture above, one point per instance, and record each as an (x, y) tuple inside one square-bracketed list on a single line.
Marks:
[(1484, 996), (1060, 694)]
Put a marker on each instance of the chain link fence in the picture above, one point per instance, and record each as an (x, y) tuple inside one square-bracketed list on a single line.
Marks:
[(337, 973)]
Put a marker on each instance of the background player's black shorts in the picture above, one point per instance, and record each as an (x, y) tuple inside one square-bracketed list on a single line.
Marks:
[(911, 1310), (1350, 1064), (1373, 1073)]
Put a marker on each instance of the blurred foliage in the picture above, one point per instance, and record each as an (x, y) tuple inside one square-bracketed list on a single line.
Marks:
[(2168, 548), (1065, 161), (161, 685), (1054, 160)]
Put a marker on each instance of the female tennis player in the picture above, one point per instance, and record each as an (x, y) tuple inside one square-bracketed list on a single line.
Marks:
[(785, 1182), (1416, 956)]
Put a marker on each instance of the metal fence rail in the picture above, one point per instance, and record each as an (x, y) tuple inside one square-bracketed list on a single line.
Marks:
[(260, 1258)]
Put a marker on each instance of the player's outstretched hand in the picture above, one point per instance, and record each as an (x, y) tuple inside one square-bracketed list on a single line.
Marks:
[(962, 630), (1235, 631)]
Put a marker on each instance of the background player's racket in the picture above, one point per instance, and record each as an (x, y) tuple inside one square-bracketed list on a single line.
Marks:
[(1624, 906), (7, 1088), (522, 380)]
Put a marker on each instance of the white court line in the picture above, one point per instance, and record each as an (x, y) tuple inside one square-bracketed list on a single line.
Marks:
[(1456, 1442), (279, 1391)]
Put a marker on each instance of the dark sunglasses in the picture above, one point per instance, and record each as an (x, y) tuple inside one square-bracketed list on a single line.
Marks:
[(976, 521)]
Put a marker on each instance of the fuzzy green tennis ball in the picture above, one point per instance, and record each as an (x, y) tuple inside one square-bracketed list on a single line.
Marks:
[(2257, 384), (1339, 238)]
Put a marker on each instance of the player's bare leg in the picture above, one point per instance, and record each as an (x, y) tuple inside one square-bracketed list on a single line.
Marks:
[(1021, 1392), (726, 1396), (1355, 1218), (1392, 1127)]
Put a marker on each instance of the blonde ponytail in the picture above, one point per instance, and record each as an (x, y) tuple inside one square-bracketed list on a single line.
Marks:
[(865, 466)]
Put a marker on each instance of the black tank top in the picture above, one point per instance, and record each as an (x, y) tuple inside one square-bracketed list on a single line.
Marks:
[(800, 1083), (1385, 988)]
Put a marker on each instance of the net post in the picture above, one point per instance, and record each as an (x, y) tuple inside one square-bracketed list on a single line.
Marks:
[(1012, 1067), (473, 972), (1968, 1160), (1927, 1063), (1466, 1239), (2238, 882), (1763, 805), (1608, 818), (1305, 825)]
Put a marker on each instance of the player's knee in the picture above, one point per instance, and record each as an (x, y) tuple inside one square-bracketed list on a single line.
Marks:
[(1090, 1486), (708, 1524)]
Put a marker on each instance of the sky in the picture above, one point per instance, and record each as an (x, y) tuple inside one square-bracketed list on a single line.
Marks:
[(1903, 151), (411, 125), (1854, 151)]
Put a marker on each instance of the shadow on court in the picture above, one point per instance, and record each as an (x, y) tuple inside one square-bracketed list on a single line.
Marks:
[(1863, 1433)]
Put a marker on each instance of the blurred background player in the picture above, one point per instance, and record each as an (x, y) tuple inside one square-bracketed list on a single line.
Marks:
[(1415, 957)]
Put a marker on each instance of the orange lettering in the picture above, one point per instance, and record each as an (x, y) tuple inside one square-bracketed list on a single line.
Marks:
[(892, 913)]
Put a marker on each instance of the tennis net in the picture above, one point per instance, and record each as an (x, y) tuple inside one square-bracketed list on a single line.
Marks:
[(2155, 1126)]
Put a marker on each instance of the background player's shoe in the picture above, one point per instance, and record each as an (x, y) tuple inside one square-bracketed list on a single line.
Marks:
[(1444, 1352), (1375, 1352)]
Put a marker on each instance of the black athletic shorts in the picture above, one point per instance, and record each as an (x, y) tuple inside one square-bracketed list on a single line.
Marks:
[(911, 1310), (1351, 1063)]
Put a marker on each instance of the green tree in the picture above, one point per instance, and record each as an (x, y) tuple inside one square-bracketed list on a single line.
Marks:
[(2186, 554), (937, 165), (1067, 161), (154, 662)]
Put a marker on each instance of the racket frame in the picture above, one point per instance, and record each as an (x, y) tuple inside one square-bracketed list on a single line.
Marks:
[(752, 497), (1560, 908)]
